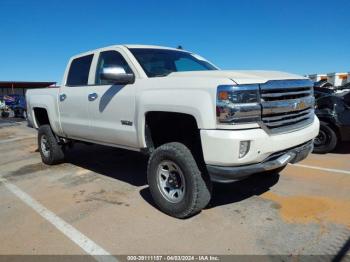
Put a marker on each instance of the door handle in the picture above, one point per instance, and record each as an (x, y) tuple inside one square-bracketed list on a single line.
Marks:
[(63, 97), (92, 96)]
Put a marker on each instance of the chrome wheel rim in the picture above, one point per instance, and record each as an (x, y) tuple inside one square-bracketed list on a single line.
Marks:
[(44, 145), (171, 181)]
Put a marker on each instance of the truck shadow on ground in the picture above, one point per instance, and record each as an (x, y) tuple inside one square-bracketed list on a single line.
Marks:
[(255, 185), (224, 194), (131, 167), (343, 252), (124, 165)]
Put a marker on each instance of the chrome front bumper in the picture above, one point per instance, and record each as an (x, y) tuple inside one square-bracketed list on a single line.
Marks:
[(225, 174)]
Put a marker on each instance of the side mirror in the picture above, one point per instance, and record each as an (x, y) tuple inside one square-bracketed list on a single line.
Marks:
[(117, 75)]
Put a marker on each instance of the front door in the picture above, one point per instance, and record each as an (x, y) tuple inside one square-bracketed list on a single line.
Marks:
[(112, 107), (72, 102)]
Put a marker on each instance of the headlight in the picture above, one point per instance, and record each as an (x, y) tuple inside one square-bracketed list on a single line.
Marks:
[(238, 104)]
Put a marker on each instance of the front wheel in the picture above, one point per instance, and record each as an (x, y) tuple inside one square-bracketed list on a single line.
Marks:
[(177, 185), (51, 152), (326, 140)]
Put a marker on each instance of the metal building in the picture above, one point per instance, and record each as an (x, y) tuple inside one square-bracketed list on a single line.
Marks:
[(336, 79), (20, 88)]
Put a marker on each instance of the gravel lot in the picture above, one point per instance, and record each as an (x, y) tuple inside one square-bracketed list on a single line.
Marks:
[(101, 194)]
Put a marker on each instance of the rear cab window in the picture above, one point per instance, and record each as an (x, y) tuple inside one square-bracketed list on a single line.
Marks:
[(78, 74)]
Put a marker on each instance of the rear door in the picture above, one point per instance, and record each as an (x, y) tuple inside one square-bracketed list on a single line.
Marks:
[(112, 106), (72, 99)]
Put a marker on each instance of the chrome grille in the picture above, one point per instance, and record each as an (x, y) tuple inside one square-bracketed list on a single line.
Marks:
[(280, 94), (287, 105)]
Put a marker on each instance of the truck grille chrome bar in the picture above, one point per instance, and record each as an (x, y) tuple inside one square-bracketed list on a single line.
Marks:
[(286, 105), (272, 96)]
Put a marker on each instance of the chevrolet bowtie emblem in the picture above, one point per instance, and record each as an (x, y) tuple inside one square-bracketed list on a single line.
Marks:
[(299, 105)]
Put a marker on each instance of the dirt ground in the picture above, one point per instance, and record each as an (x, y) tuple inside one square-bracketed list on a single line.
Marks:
[(102, 193)]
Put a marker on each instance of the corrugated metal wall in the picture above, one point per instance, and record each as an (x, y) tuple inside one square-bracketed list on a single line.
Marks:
[(10, 91)]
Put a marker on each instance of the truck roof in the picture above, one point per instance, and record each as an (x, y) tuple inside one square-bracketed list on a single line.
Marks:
[(151, 47), (127, 46)]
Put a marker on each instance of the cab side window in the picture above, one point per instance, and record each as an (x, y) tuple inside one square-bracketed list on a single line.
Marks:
[(78, 74), (110, 59)]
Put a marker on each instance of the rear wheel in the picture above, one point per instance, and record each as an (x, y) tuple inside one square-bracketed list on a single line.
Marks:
[(5, 114), (16, 113), (177, 185), (326, 140), (21, 113), (51, 152)]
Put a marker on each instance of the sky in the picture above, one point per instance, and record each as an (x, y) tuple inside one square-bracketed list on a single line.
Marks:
[(38, 37)]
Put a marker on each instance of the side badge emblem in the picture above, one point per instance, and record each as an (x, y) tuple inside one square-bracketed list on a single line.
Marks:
[(126, 123)]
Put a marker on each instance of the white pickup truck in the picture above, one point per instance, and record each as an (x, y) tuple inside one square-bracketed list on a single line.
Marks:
[(198, 124)]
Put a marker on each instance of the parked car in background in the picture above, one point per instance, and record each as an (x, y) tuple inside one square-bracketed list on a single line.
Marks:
[(2, 104), (3, 108), (20, 107), (345, 86), (323, 84), (16, 103), (10, 100), (333, 110)]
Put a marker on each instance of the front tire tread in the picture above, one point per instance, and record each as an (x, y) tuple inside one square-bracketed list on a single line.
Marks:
[(198, 193)]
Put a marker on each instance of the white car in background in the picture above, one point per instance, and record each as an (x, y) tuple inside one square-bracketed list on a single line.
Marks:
[(4, 109), (2, 105)]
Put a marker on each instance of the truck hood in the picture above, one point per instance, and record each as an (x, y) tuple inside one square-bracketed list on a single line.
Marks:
[(241, 76)]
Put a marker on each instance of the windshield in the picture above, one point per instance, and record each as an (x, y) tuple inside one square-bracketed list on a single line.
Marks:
[(161, 62)]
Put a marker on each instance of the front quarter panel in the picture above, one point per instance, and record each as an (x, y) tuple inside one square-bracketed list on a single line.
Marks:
[(196, 97)]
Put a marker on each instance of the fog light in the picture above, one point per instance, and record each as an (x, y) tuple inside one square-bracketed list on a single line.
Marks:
[(243, 148)]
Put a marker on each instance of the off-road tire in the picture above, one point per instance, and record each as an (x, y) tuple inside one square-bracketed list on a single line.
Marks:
[(330, 141), (56, 153), (197, 192)]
